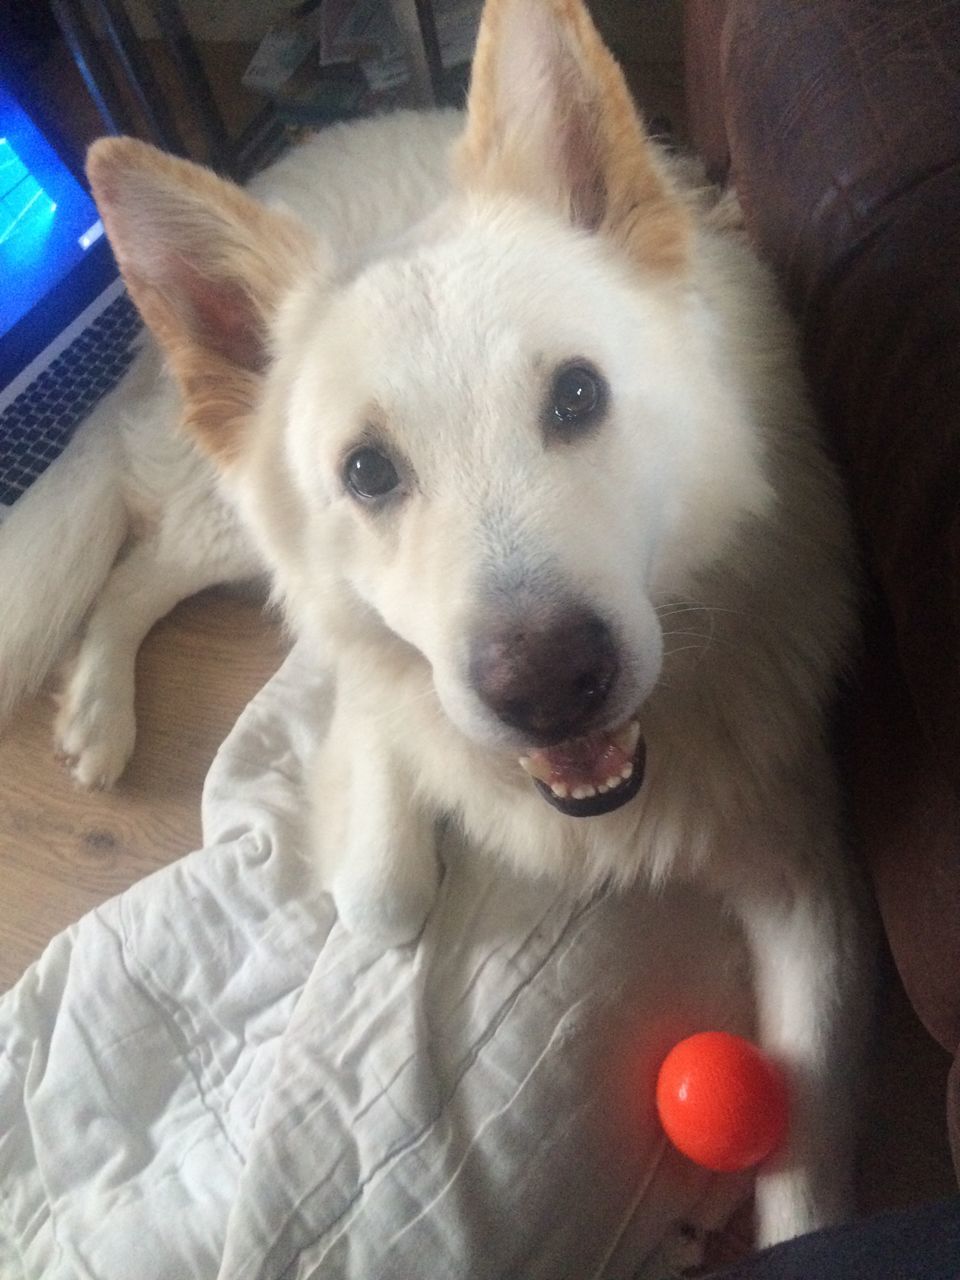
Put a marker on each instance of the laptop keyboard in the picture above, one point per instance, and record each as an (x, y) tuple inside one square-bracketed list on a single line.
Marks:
[(37, 426)]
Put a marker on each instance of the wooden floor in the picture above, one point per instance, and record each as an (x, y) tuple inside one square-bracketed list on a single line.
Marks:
[(63, 850)]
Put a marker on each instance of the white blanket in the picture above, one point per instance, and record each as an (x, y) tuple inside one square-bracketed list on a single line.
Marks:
[(208, 1077)]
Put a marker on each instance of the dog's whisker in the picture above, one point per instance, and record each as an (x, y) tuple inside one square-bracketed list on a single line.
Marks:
[(688, 633), (684, 648), (695, 604), (691, 606)]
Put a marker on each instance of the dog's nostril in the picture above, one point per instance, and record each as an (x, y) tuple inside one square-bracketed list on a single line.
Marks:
[(549, 679), (593, 685)]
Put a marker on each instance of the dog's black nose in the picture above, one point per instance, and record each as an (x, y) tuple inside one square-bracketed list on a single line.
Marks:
[(547, 676)]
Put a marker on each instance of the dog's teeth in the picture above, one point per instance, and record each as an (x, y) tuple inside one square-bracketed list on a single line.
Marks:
[(626, 771), (613, 782), (559, 789), (602, 789), (538, 769), (628, 737), (583, 793)]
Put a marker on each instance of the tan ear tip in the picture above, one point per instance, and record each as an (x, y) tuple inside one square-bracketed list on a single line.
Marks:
[(109, 156)]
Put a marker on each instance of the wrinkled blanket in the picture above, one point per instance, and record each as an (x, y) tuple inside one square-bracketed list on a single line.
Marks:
[(208, 1077)]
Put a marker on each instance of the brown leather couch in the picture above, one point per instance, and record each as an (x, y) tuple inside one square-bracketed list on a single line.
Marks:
[(839, 123)]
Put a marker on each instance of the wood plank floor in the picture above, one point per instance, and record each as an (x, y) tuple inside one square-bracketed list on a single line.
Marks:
[(63, 850)]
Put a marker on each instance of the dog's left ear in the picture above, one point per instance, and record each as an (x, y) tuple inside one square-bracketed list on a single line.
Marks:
[(550, 118), (207, 267)]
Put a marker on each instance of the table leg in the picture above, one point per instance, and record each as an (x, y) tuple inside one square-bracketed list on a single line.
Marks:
[(416, 22)]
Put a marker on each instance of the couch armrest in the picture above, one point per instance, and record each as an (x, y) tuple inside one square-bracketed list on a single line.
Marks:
[(703, 23), (844, 130)]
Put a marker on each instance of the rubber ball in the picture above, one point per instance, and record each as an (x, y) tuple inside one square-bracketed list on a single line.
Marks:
[(722, 1102)]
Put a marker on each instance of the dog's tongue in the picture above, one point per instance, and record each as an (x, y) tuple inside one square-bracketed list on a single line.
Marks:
[(594, 763)]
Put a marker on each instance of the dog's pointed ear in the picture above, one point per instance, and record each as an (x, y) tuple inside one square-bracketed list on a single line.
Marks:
[(550, 117), (207, 267)]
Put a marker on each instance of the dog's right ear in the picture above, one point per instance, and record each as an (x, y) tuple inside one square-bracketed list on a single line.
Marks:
[(207, 267), (550, 118)]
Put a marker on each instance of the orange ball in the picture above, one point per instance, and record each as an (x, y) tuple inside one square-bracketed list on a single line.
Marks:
[(722, 1102)]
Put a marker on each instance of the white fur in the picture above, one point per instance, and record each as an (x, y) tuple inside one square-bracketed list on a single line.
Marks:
[(56, 548), (129, 483), (702, 519)]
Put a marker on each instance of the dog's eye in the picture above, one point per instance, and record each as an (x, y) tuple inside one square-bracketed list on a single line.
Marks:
[(578, 396), (369, 473)]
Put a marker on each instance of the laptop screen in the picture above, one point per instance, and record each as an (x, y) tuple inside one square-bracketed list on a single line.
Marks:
[(55, 261), (48, 222)]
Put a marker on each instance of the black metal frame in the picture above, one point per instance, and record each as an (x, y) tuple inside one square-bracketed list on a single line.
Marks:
[(431, 46), (258, 142)]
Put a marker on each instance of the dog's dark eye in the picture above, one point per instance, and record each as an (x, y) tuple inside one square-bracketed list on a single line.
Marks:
[(369, 473), (578, 396)]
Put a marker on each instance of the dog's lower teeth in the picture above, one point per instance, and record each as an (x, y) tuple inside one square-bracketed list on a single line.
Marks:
[(544, 769)]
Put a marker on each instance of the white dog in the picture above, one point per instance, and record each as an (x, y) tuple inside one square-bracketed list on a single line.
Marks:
[(526, 449)]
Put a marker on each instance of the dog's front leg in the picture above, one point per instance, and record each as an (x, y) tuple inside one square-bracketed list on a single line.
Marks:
[(807, 943), (376, 843)]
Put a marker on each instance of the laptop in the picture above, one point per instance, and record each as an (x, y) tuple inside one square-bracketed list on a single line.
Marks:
[(67, 328)]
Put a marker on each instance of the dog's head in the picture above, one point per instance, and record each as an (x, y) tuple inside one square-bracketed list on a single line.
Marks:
[(496, 445)]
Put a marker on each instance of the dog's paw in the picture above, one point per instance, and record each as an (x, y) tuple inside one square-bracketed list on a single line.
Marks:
[(787, 1206), (94, 735)]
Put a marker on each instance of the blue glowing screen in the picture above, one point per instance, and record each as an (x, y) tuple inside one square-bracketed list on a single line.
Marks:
[(47, 220)]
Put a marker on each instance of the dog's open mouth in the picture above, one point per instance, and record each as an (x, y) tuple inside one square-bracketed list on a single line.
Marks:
[(591, 775)]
